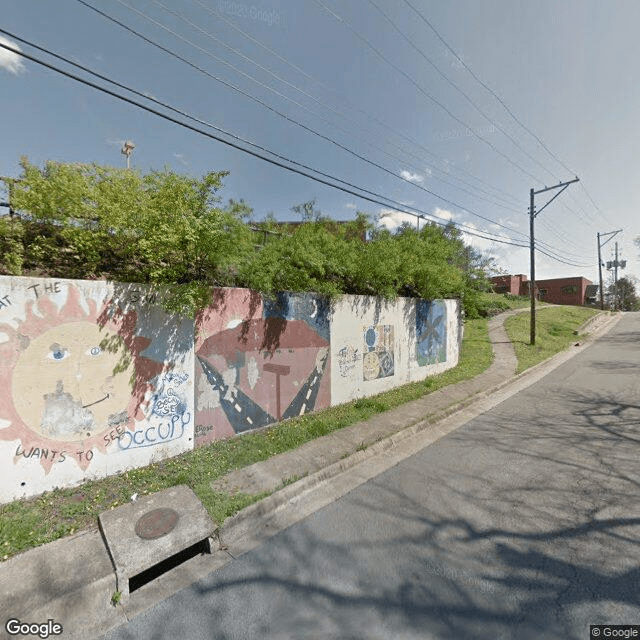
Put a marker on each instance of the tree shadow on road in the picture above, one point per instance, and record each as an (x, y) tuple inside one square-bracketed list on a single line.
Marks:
[(519, 528)]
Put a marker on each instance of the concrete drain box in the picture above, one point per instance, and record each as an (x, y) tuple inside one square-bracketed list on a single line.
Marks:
[(150, 536)]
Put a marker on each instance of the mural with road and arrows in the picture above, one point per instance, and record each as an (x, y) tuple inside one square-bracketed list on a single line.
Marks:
[(259, 361)]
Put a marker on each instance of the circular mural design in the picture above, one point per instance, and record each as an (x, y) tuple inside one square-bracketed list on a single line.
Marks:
[(371, 365)]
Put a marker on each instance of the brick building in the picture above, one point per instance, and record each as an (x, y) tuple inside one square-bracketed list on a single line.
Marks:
[(556, 291), (514, 285)]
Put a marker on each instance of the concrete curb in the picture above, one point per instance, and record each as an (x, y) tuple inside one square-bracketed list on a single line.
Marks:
[(591, 322), (71, 580), (238, 526)]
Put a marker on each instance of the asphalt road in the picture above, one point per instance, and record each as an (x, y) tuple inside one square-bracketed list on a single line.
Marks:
[(522, 524)]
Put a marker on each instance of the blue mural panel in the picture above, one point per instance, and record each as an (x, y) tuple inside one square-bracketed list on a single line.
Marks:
[(431, 332), (314, 310)]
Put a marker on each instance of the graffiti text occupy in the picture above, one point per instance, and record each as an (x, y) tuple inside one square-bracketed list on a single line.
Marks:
[(151, 436)]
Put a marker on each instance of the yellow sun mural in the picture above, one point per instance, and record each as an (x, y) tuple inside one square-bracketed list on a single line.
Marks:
[(76, 377)]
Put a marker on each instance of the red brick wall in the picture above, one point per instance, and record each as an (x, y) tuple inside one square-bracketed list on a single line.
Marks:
[(513, 285), (563, 290), (556, 291)]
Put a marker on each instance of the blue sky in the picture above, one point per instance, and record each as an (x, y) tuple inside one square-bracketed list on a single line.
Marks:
[(383, 86)]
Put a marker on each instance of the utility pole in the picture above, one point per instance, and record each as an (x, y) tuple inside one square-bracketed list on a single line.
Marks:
[(615, 264), (532, 216), (615, 281), (10, 182), (600, 265)]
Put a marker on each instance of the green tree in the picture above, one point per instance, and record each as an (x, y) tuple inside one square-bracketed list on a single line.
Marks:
[(163, 228), (623, 296), (308, 211), (310, 258)]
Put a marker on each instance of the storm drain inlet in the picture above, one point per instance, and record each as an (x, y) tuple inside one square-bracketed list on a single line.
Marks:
[(157, 533)]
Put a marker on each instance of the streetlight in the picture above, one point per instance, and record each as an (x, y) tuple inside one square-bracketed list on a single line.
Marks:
[(127, 150)]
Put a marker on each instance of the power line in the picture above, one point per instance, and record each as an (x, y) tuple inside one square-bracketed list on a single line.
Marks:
[(425, 93), (562, 237), (308, 95), (502, 102), (368, 115), (227, 84), (489, 89), (376, 199), (400, 208), (272, 109), (448, 80), (596, 206)]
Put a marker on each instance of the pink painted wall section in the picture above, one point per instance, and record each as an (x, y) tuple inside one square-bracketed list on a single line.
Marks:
[(259, 361), (89, 383)]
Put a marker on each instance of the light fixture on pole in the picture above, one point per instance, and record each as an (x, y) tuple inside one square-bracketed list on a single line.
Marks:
[(127, 150)]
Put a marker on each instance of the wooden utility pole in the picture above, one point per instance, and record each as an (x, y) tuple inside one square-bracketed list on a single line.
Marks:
[(600, 274), (532, 268), (532, 215)]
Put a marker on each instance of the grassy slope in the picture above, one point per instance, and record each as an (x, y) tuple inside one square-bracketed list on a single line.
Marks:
[(28, 523), (554, 332)]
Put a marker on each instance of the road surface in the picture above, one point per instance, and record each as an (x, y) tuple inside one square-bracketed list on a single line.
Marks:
[(523, 524)]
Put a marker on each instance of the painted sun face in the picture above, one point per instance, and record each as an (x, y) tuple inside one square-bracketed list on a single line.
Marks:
[(64, 385)]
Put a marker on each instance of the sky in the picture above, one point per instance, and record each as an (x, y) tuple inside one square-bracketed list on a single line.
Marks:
[(453, 110)]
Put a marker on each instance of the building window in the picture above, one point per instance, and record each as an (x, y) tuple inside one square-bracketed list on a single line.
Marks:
[(542, 293), (572, 289)]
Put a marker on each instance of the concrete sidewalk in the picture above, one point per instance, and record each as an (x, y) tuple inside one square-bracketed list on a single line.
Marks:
[(324, 451), (71, 581)]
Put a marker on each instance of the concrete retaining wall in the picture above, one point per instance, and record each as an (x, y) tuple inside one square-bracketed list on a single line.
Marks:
[(96, 378)]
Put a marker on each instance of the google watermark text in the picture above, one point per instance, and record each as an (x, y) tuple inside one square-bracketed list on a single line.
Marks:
[(241, 10), (15, 627)]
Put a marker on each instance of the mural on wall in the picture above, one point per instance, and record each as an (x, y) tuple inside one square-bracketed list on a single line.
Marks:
[(75, 377), (378, 358), (347, 358), (260, 361), (431, 332)]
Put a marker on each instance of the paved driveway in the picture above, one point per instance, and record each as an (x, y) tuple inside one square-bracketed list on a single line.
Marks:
[(522, 524)]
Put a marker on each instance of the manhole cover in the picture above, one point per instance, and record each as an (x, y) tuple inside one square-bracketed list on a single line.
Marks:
[(157, 523)]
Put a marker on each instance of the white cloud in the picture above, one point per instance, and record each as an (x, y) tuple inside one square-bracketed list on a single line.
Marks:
[(443, 213), (392, 220), (350, 205), (411, 177), (9, 60), (180, 157), (486, 245)]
